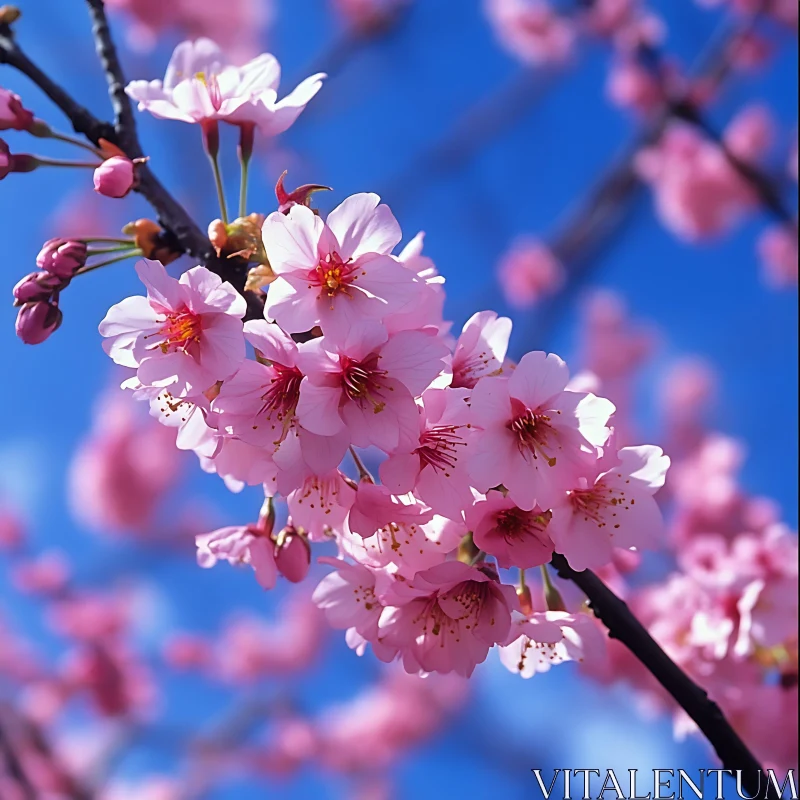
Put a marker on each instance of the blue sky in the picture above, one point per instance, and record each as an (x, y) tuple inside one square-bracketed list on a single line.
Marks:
[(365, 131)]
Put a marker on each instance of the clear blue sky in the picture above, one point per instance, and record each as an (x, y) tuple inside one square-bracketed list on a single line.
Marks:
[(364, 132)]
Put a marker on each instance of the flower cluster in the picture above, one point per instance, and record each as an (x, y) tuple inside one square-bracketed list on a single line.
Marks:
[(485, 465)]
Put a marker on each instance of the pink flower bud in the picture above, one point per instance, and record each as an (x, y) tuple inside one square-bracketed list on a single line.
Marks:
[(37, 286), (62, 257), (13, 116), (115, 177), (292, 554), (36, 321)]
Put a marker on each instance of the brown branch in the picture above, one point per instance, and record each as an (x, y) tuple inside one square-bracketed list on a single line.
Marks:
[(623, 626)]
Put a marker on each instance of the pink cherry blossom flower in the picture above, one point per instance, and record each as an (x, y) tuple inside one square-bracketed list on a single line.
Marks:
[(321, 504), (243, 544), (427, 308), (434, 466), (259, 402), (531, 30), (185, 335), (347, 596), (456, 615), (366, 382), (201, 85), (534, 437), (516, 538), (335, 273), (292, 554), (777, 248), (397, 536), (616, 510), (528, 272), (481, 349), (240, 464), (548, 638)]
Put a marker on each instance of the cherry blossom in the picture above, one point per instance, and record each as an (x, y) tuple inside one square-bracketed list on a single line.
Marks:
[(455, 614), (516, 538), (534, 437), (366, 382), (201, 85), (615, 510), (184, 336), (434, 467), (240, 545), (338, 272), (481, 349), (548, 638)]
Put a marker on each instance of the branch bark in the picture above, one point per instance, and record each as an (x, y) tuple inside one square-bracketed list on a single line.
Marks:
[(623, 625)]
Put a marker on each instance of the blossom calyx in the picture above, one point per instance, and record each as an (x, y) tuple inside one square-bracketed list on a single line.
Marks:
[(300, 196), (154, 242), (239, 239)]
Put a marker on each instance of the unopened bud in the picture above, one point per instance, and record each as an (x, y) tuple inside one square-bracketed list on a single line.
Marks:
[(13, 115), (38, 286), (300, 196), (218, 235), (62, 257), (115, 177), (36, 321), (292, 554), (525, 600)]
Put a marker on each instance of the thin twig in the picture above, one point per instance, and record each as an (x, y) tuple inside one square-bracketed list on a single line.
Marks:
[(623, 625)]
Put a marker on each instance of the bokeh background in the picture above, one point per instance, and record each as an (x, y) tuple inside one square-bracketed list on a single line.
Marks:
[(475, 149)]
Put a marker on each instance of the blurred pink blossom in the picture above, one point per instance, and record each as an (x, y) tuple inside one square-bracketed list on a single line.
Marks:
[(528, 272), (699, 194), (751, 133), (777, 248), (123, 469), (531, 30)]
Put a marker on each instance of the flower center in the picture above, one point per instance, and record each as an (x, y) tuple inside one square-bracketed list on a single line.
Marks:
[(515, 523), (181, 330), (438, 447), (211, 84), (594, 502), (281, 396), (361, 381), (532, 431), (333, 275)]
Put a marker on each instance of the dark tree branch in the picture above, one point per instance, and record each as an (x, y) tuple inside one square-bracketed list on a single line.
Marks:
[(623, 626), (172, 216), (124, 120), (83, 121)]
